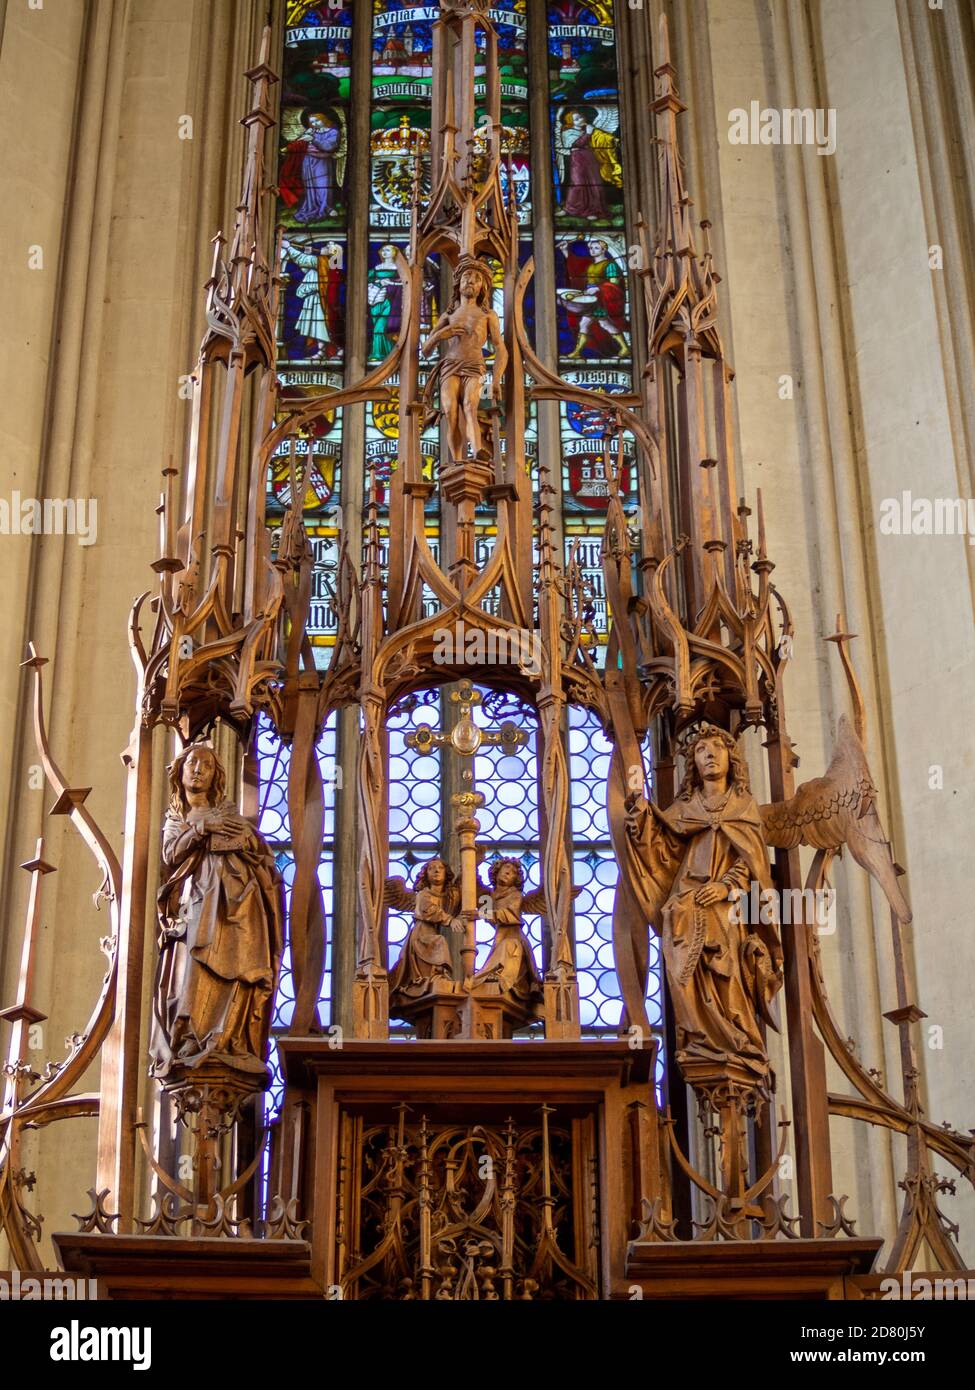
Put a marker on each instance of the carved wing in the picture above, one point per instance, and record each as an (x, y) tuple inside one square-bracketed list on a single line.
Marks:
[(396, 894), (840, 809), (535, 902)]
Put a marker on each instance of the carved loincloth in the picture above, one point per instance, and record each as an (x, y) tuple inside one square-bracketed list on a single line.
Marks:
[(467, 371)]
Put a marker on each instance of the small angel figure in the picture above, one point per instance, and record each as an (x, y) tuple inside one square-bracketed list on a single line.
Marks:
[(425, 957), (510, 967)]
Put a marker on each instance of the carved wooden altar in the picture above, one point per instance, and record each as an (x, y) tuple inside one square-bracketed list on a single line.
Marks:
[(499, 1153)]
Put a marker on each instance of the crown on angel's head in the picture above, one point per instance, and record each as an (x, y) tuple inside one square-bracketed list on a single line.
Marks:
[(702, 729)]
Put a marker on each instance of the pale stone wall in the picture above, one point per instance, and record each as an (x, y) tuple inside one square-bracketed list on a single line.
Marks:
[(826, 280), (91, 96)]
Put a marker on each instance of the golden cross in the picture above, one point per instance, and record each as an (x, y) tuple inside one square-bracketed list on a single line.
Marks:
[(466, 737)]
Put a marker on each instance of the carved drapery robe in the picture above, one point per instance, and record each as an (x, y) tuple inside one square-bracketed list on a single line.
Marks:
[(722, 972), (221, 911), (425, 955), (510, 967)]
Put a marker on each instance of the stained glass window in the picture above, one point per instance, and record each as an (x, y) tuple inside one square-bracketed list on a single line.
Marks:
[(592, 291), (595, 873), (326, 100)]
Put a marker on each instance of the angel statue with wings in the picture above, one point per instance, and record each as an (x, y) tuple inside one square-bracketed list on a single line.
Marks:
[(424, 964), (689, 870), (510, 968), (697, 857)]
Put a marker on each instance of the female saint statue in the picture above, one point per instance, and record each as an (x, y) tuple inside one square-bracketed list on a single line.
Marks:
[(221, 917)]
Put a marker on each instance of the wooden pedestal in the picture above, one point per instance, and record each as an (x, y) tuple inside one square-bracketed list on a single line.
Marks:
[(436, 1014), (451, 1013), (786, 1269), (173, 1267), (489, 1017)]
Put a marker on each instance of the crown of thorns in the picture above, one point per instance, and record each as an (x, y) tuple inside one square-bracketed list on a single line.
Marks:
[(479, 268)]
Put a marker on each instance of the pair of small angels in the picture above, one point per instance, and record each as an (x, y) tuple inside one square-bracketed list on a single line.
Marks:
[(435, 903)]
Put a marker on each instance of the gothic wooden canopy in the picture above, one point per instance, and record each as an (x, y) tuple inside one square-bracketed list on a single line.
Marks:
[(465, 1138)]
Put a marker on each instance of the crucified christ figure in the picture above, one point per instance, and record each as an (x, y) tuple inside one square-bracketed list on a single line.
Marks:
[(465, 328)]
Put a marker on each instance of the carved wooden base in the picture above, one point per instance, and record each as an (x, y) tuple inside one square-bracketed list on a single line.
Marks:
[(370, 1005), (464, 483), (787, 1269), (731, 1090), (439, 1170), (466, 480), (725, 1083), (488, 1016), (449, 1011), (213, 1093), (436, 1014), (561, 1008), (171, 1267)]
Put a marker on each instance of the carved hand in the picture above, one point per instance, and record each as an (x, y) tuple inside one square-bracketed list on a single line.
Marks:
[(711, 893)]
